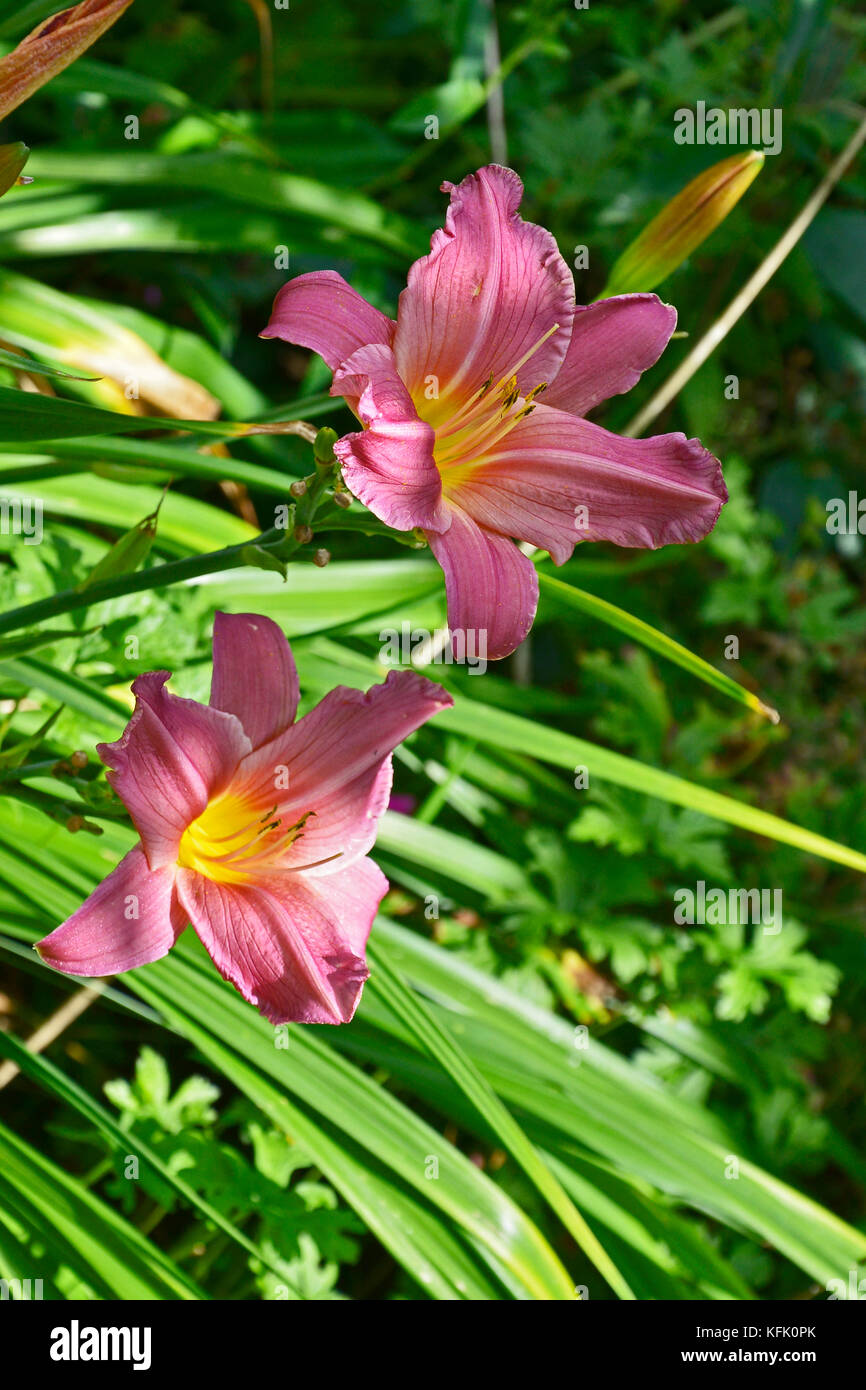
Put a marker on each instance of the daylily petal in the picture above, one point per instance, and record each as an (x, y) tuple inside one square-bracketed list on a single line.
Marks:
[(131, 919), (612, 343), (294, 950), (338, 759), (492, 587), (389, 465), (320, 311), (490, 289), (345, 830), (254, 674), (173, 757), (637, 492)]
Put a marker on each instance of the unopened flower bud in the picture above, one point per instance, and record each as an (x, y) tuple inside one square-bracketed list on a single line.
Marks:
[(323, 448), (343, 500), (683, 224), (321, 558), (299, 487), (303, 534)]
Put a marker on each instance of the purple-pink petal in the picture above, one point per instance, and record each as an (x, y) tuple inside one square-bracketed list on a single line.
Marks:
[(490, 289), (276, 881), (254, 674), (294, 948), (321, 312), (664, 490), (490, 585), (131, 919), (612, 343), (173, 757), (338, 764), (389, 465)]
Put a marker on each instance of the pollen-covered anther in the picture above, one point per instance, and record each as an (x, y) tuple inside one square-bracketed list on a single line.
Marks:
[(226, 845), (510, 394)]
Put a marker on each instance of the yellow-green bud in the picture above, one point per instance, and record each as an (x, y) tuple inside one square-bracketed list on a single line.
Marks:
[(323, 447), (683, 224)]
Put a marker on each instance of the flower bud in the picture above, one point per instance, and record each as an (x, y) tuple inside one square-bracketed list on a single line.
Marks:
[(323, 448), (683, 224)]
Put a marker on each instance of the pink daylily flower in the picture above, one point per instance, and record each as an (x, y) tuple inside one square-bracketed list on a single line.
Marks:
[(253, 827), (456, 441)]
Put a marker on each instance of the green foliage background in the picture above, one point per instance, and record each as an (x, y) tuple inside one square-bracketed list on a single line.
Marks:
[(549, 1085)]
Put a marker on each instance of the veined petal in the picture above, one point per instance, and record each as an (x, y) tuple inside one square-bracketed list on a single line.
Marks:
[(345, 830), (174, 756), (132, 918), (338, 764), (612, 343), (254, 674), (321, 312), (636, 492), (389, 465), (491, 586), (490, 290), (294, 949)]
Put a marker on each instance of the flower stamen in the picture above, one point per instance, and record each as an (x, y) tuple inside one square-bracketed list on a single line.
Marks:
[(224, 845), (469, 405)]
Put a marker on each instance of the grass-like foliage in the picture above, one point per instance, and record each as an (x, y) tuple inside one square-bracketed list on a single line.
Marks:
[(564, 1078)]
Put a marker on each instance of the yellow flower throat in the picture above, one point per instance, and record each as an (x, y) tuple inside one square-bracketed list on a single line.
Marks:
[(231, 842)]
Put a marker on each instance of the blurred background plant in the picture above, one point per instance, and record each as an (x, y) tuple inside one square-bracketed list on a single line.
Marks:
[(529, 978)]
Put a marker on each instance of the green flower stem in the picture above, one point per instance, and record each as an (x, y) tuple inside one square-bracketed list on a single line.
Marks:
[(41, 769), (156, 577), (281, 545)]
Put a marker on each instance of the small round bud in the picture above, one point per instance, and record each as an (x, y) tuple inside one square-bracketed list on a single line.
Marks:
[(298, 488), (303, 534), (323, 447), (74, 824), (321, 558), (343, 500), (78, 759)]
